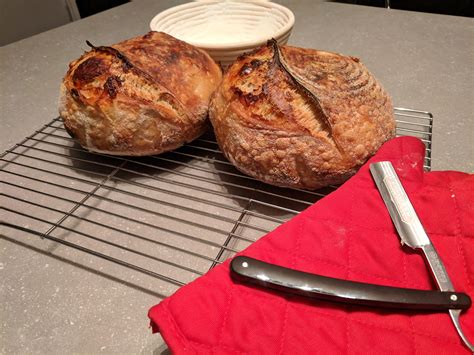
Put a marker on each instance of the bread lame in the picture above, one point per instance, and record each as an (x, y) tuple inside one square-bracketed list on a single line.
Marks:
[(249, 270), (412, 233)]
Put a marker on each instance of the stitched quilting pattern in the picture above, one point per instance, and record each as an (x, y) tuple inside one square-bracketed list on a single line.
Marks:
[(348, 234)]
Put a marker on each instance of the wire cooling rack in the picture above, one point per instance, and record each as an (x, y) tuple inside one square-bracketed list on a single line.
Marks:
[(173, 216)]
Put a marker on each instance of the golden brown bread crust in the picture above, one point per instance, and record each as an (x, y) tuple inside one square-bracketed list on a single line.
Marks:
[(298, 117), (142, 96)]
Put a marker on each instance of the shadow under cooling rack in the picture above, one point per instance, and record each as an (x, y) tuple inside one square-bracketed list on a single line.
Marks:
[(172, 217)]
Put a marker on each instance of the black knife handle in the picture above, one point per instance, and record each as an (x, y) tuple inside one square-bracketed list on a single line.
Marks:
[(327, 288)]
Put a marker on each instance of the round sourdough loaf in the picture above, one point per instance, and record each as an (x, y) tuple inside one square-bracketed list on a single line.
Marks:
[(298, 117), (143, 96)]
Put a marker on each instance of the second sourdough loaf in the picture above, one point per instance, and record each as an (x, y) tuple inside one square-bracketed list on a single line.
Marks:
[(298, 117)]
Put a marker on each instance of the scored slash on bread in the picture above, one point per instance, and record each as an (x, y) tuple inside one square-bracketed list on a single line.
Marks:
[(298, 117), (142, 96)]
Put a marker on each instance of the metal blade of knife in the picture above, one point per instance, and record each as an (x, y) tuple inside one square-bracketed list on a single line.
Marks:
[(411, 231)]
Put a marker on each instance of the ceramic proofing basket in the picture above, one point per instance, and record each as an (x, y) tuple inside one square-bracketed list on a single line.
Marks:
[(226, 29)]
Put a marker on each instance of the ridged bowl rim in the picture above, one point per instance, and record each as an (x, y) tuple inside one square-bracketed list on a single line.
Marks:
[(234, 45)]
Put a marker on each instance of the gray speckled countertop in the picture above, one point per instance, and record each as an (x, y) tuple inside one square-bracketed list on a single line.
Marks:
[(62, 300)]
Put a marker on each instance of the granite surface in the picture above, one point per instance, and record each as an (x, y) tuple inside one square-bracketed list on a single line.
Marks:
[(54, 299)]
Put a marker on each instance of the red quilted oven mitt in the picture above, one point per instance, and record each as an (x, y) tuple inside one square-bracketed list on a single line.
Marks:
[(349, 235)]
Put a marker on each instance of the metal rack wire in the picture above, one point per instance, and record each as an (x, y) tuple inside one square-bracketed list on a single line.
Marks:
[(172, 216)]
